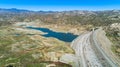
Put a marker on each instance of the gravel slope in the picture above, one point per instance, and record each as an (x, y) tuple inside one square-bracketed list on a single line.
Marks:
[(106, 45), (84, 51), (90, 52)]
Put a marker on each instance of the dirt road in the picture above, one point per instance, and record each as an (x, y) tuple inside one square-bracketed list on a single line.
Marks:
[(88, 50)]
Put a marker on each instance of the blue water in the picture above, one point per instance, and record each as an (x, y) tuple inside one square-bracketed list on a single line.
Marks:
[(66, 37)]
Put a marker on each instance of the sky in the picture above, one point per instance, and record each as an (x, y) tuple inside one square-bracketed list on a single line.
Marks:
[(61, 5)]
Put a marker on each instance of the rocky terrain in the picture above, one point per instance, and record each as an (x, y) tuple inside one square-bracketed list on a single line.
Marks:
[(22, 46), (113, 33), (74, 17)]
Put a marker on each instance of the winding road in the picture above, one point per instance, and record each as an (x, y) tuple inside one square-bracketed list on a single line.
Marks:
[(88, 51)]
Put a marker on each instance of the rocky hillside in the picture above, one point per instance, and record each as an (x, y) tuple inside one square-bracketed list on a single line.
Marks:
[(21, 47), (95, 18), (113, 33)]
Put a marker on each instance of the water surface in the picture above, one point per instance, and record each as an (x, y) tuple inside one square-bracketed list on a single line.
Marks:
[(66, 37)]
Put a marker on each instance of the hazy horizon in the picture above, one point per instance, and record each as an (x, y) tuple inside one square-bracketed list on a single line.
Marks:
[(61, 10), (62, 5)]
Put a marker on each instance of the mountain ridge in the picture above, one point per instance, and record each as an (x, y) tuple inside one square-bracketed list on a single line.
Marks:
[(84, 17)]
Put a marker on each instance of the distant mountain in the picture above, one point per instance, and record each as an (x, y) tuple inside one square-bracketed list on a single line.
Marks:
[(13, 10), (95, 18), (63, 12), (73, 12)]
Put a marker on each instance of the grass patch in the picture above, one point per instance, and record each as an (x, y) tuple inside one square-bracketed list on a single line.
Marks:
[(115, 39)]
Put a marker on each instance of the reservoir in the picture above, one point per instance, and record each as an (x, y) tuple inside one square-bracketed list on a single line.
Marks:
[(66, 37)]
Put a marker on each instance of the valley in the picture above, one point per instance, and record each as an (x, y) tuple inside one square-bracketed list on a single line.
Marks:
[(59, 39)]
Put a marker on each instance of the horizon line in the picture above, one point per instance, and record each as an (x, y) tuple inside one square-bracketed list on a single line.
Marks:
[(62, 10)]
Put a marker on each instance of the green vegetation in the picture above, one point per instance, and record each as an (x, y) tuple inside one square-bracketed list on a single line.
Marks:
[(95, 18), (29, 50), (115, 38), (22, 50)]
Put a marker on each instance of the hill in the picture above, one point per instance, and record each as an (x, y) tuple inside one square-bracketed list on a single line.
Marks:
[(82, 17)]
